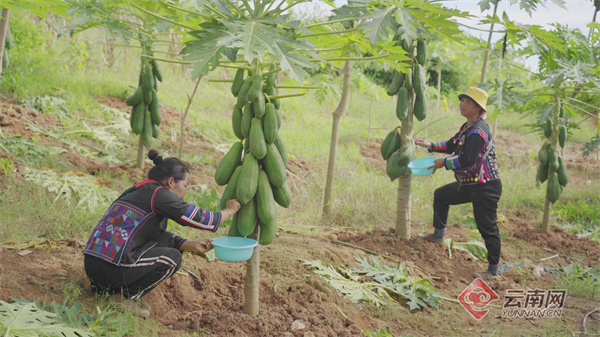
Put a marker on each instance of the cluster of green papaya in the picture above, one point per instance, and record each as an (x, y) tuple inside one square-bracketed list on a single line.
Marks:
[(552, 167), (399, 152), (254, 169), (415, 80), (396, 149), (145, 114), (8, 44)]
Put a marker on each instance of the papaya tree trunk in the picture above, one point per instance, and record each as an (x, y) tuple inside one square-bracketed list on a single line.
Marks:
[(140, 154), (337, 116), (3, 30), (439, 86), (251, 285), (403, 207), (546, 218), (184, 118), (485, 61)]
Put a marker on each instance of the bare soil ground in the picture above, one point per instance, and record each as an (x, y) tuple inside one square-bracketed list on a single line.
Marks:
[(289, 293)]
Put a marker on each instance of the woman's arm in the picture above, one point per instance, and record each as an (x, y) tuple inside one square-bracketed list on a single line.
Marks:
[(475, 144), (169, 205)]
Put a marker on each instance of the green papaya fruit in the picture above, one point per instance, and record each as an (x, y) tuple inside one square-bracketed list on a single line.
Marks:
[(248, 180), (419, 80), (552, 159), (135, 98), (137, 118), (543, 153), (268, 232), (236, 122), (402, 104), (562, 136), (421, 51), (563, 175), (390, 144), (270, 124), (258, 145), (547, 128), (247, 219), (282, 195), (420, 110), (247, 120), (281, 148), (228, 164), (397, 81), (542, 173), (553, 189), (238, 80), (393, 168), (147, 132), (229, 192), (241, 97)]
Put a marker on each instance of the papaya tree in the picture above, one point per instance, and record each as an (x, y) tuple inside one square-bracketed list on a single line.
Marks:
[(407, 24), (141, 23), (347, 45), (258, 42), (566, 64)]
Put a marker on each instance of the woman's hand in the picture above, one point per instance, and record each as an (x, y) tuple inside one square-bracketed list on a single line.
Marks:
[(422, 143), (438, 163), (232, 207), (202, 245)]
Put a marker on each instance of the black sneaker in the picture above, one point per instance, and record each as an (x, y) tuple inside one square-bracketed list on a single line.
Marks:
[(437, 241)]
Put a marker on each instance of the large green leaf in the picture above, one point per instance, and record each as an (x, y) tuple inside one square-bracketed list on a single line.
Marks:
[(26, 319)]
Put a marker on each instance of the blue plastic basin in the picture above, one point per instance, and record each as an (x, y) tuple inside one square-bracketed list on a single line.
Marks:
[(419, 166), (233, 248)]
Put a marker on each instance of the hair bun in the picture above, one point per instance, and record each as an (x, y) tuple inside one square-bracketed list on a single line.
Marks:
[(153, 155), (157, 160)]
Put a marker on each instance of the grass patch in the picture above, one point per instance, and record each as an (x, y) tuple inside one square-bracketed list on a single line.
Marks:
[(580, 281), (41, 215)]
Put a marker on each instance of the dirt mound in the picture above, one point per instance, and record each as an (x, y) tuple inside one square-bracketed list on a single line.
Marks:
[(184, 304), (13, 119)]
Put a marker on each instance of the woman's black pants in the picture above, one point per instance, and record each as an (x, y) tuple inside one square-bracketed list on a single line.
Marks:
[(484, 198), (133, 280)]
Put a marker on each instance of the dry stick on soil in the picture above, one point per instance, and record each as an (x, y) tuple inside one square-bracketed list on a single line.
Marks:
[(198, 278), (585, 318), (570, 257), (187, 110), (412, 268)]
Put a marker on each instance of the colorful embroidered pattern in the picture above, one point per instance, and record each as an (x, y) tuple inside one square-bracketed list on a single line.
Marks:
[(435, 146), (114, 229), (206, 220)]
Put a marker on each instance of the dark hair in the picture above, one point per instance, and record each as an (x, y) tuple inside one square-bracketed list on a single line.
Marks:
[(166, 168)]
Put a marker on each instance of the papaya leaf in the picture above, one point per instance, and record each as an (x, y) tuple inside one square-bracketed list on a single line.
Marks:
[(475, 248), (348, 285), (26, 319), (380, 23)]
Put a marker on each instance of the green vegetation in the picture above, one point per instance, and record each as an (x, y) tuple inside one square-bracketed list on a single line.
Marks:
[(580, 281), (67, 77)]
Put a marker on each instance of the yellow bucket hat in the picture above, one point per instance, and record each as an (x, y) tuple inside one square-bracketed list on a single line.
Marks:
[(478, 95)]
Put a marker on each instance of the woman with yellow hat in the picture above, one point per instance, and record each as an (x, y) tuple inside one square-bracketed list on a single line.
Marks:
[(473, 160)]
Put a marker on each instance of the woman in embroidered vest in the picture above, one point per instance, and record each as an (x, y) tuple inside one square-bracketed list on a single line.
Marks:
[(473, 160), (130, 252)]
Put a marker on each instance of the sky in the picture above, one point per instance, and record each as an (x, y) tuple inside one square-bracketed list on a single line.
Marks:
[(578, 14)]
